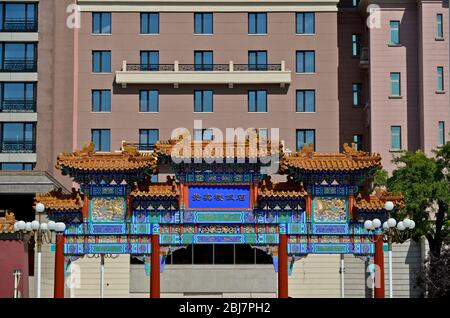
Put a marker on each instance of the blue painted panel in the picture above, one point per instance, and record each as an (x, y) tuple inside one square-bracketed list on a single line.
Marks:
[(108, 190), (219, 197), (107, 229), (330, 228), (331, 248)]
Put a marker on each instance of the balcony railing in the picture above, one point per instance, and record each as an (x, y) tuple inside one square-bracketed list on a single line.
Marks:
[(18, 106), (202, 67), (229, 73), (18, 146), (146, 147), (18, 65), (150, 67), (364, 57), (18, 25), (257, 67), (139, 146)]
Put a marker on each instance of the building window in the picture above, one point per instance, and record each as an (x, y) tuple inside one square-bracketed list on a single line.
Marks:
[(148, 138), (357, 140), (203, 23), (101, 100), (101, 22), (18, 17), (203, 60), (18, 137), (203, 134), (355, 3), (441, 133), (356, 94), (257, 60), (149, 60), (101, 139), (356, 45), (440, 79), (306, 61), (17, 97), (396, 138), (306, 101), (16, 166), (257, 101), (257, 23), (439, 26), (101, 61), (18, 57), (203, 101), (396, 84), (149, 101), (305, 136), (395, 32), (149, 23), (263, 133), (305, 22)]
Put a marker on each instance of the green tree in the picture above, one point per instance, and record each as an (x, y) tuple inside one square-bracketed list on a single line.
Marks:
[(425, 185)]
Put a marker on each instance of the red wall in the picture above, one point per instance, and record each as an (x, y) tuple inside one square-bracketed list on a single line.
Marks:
[(13, 255)]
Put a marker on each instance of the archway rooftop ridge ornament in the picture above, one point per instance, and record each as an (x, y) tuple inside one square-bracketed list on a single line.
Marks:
[(56, 200), (349, 160), (88, 160), (250, 148), (377, 199), (7, 223)]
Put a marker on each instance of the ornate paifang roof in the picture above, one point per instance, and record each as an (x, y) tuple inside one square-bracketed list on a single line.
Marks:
[(185, 148), (376, 200), (165, 190), (87, 159), (350, 160), (7, 223), (282, 190), (56, 200)]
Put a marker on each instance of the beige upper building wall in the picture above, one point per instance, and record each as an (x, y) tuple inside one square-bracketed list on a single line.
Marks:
[(208, 5), (230, 42)]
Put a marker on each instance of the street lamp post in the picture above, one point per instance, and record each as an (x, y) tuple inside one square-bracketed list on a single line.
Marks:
[(399, 231), (43, 233)]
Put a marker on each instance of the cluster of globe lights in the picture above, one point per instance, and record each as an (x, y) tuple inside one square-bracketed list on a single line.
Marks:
[(390, 223), (35, 225)]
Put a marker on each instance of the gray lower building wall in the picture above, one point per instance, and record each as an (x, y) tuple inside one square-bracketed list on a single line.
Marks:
[(27, 182), (406, 263), (208, 280)]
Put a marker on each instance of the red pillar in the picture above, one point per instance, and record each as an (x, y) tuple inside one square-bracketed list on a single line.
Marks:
[(379, 266), (282, 267), (155, 274), (59, 267)]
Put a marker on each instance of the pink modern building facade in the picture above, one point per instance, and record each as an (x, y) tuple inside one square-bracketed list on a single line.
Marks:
[(403, 68), (327, 72)]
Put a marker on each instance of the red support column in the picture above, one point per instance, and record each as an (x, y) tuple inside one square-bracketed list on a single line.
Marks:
[(379, 266), (155, 268), (282, 267), (59, 267)]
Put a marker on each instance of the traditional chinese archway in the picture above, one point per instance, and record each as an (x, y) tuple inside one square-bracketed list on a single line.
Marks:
[(219, 195)]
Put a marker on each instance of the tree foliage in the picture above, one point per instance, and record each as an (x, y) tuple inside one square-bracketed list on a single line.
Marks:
[(425, 184), (435, 275), (426, 188)]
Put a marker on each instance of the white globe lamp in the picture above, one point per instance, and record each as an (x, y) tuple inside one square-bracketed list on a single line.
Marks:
[(368, 225), (40, 208), (392, 222), (35, 225), (389, 206), (376, 223), (51, 225)]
